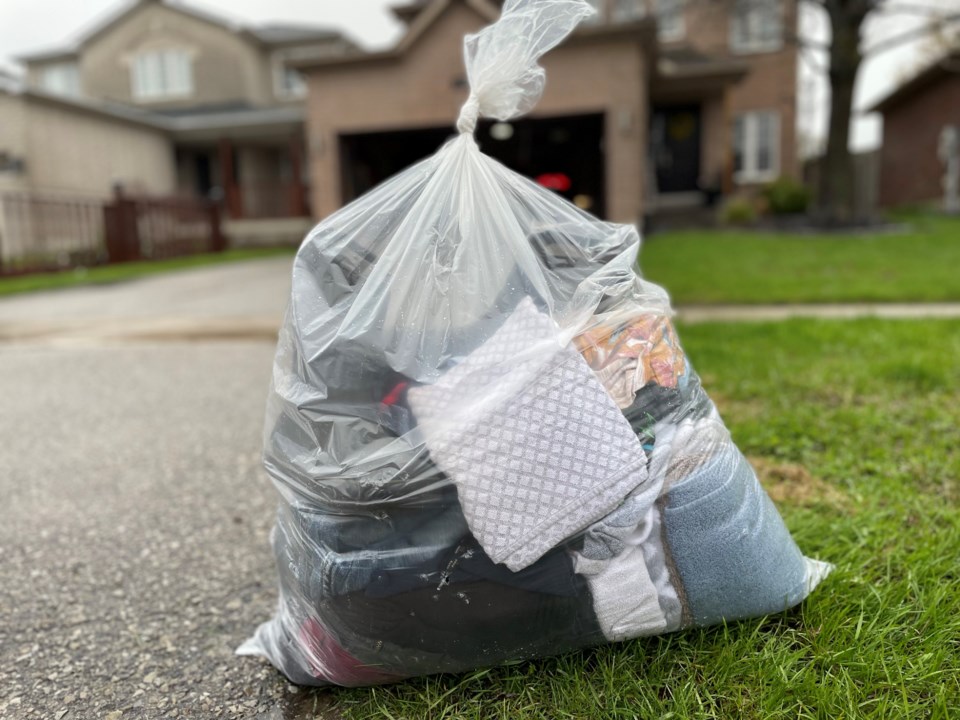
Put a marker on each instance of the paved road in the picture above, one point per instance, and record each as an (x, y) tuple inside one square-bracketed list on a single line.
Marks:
[(134, 520), (134, 529)]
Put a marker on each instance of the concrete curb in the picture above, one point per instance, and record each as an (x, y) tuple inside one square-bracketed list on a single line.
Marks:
[(832, 311), (264, 328)]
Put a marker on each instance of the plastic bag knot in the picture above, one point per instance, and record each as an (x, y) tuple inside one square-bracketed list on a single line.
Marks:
[(469, 114)]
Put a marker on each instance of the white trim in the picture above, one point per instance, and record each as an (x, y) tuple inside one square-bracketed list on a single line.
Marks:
[(751, 174)]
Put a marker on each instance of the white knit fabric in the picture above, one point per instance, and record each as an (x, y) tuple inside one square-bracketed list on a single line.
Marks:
[(626, 599), (536, 447)]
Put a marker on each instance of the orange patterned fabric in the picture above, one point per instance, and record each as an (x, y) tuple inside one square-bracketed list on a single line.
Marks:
[(628, 356)]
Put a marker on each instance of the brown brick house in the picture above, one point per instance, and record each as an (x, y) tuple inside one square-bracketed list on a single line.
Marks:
[(652, 104), (914, 115)]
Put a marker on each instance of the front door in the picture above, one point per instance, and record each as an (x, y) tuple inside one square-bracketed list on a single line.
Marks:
[(675, 148)]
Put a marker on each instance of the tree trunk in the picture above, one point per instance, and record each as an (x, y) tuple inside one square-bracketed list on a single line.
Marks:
[(837, 180)]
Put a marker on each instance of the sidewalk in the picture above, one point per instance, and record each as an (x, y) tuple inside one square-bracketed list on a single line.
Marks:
[(245, 301)]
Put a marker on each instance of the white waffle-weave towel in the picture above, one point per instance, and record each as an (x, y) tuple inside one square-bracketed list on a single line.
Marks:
[(537, 448)]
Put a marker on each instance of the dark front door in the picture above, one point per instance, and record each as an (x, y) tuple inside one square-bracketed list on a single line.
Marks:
[(675, 148), (204, 174)]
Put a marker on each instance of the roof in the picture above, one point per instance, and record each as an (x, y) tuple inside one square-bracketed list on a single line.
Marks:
[(408, 12), (268, 35), (282, 34), (430, 11), (207, 122), (688, 62), (123, 113), (683, 73), (10, 82), (948, 65)]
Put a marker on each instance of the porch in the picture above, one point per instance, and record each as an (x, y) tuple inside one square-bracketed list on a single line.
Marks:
[(253, 161), (690, 155)]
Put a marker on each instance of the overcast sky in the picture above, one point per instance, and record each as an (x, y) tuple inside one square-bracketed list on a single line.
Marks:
[(30, 25)]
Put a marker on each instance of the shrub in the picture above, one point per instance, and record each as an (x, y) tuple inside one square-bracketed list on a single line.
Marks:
[(786, 196), (739, 211)]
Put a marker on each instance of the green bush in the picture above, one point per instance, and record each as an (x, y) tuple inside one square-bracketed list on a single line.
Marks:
[(739, 211), (786, 196)]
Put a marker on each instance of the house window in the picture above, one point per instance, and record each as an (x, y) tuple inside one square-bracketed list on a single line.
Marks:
[(287, 82), (292, 83), (61, 79), (627, 10), (756, 26), (756, 147), (161, 74), (670, 23)]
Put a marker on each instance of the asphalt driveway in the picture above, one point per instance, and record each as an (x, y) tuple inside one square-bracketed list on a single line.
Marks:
[(241, 299), (134, 522)]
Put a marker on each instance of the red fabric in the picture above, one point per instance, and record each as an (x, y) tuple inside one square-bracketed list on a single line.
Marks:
[(393, 397), (555, 181), (330, 662)]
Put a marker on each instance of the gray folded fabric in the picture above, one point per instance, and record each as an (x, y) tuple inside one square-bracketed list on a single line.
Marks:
[(535, 446)]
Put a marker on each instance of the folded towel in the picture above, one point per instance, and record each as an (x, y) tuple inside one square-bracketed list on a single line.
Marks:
[(536, 447)]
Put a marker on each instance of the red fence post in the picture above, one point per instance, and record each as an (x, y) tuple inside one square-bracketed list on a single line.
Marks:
[(298, 206), (120, 229), (218, 242)]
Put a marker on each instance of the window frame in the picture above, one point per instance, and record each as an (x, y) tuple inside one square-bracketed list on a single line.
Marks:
[(751, 20), (676, 9), (750, 173), (160, 74), (280, 88), (69, 75)]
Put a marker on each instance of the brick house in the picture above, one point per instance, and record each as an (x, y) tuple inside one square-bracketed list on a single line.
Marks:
[(220, 97), (914, 116), (654, 104)]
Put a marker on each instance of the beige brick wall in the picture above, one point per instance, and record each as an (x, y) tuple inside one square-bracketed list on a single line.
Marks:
[(420, 91), (13, 139)]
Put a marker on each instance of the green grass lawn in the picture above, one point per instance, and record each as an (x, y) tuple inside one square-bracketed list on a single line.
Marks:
[(127, 271), (744, 266), (854, 425)]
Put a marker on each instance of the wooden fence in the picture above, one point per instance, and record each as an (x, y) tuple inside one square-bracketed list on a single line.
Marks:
[(43, 233)]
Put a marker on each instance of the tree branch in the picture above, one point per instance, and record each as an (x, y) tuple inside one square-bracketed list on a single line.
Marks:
[(905, 37), (900, 8)]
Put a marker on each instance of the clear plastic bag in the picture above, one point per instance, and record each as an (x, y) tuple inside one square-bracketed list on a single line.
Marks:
[(488, 441)]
